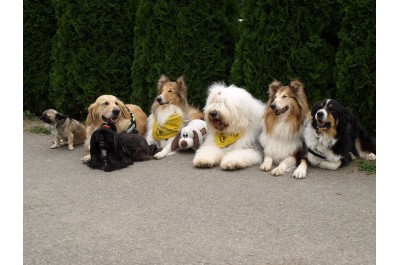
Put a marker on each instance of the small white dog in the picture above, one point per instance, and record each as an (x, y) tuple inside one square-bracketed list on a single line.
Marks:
[(234, 124), (191, 136)]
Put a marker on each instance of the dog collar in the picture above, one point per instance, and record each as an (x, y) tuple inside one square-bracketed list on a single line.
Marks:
[(167, 130), (318, 154), (132, 125), (223, 140)]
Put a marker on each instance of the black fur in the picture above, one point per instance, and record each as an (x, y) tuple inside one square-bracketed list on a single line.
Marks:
[(348, 130), (121, 149)]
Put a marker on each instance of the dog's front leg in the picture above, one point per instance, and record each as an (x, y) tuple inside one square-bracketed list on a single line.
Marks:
[(208, 156), (301, 170), (288, 163), (56, 143), (165, 151), (240, 158), (71, 141), (331, 165)]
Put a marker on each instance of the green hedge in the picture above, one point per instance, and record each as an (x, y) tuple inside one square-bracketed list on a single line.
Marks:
[(39, 28), (356, 60), (284, 40), (76, 51), (191, 38), (93, 53)]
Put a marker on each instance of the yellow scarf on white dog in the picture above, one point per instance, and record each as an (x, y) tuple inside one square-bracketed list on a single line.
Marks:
[(223, 140), (167, 130)]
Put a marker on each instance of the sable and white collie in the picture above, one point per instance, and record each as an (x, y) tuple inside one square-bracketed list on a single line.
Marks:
[(233, 119), (170, 112), (334, 135), (285, 117)]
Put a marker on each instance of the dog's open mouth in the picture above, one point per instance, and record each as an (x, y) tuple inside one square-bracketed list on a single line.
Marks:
[(322, 125), (218, 124), (281, 111), (112, 120)]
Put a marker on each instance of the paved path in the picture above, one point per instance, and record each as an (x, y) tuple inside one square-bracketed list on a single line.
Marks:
[(167, 212)]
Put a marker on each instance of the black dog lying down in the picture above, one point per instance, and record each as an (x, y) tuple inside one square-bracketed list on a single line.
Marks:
[(110, 150)]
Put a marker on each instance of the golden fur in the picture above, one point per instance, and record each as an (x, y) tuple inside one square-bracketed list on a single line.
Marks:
[(174, 93), (105, 105), (295, 97)]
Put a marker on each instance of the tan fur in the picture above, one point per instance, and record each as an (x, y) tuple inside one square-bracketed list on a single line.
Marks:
[(331, 132), (175, 93), (295, 99), (104, 105), (70, 130)]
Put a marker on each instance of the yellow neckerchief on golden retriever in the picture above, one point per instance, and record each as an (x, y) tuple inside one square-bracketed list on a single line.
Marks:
[(223, 140), (167, 130)]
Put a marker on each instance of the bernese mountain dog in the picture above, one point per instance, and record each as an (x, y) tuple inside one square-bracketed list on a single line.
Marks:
[(333, 136)]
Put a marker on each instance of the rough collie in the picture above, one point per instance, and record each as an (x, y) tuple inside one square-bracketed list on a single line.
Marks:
[(334, 135), (285, 117), (170, 112)]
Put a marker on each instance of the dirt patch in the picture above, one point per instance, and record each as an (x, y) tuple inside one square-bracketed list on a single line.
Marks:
[(28, 124)]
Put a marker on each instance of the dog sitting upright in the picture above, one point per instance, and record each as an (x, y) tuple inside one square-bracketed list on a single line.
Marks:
[(64, 128), (110, 150)]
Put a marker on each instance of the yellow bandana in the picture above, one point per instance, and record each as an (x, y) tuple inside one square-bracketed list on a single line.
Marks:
[(167, 130), (223, 140)]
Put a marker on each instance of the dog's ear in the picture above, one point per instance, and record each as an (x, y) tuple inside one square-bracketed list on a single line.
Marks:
[(92, 116), (182, 87), (175, 142), (124, 109), (273, 87), (60, 116), (163, 79), (296, 86), (196, 140)]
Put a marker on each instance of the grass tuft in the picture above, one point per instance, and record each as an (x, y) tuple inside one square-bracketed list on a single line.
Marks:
[(40, 130), (369, 166)]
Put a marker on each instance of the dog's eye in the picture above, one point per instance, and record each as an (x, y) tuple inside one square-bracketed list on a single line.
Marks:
[(284, 96), (170, 90), (105, 103), (116, 103)]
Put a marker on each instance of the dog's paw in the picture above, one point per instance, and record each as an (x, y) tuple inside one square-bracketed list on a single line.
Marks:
[(55, 146), (300, 173), (231, 165), (371, 156), (70, 147), (203, 163), (159, 155), (266, 166), (85, 159), (278, 171)]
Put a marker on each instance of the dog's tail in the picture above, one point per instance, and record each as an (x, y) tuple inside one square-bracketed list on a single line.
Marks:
[(364, 141)]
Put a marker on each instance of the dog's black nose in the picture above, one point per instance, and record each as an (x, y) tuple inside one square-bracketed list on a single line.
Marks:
[(273, 106), (115, 112), (213, 113), (159, 99), (320, 114)]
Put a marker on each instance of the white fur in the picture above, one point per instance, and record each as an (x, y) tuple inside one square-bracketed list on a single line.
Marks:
[(243, 114), (322, 144), (279, 147), (161, 115)]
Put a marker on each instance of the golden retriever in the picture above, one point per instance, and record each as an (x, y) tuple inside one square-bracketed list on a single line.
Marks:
[(108, 108)]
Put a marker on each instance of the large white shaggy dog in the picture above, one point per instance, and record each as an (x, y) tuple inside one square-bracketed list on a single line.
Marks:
[(234, 121)]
